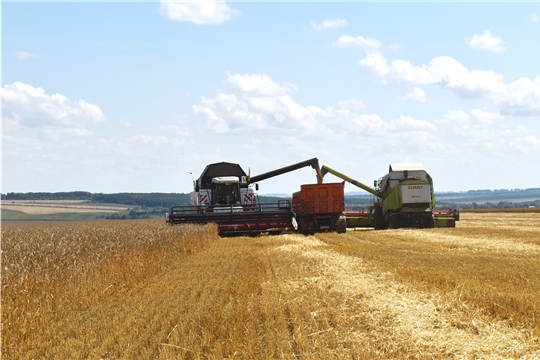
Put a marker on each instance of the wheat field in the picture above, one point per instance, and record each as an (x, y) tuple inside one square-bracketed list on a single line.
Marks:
[(142, 289)]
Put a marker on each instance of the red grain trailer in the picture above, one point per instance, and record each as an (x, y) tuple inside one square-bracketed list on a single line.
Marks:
[(319, 207)]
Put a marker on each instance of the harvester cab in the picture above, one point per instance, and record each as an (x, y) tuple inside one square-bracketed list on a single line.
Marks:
[(226, 190), (222, 185)]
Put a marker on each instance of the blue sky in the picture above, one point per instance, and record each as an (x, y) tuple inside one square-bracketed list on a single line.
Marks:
[(132, 97)]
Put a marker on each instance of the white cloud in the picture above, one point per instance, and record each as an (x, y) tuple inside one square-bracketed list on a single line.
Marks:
[(24, 55), (417, 95), (487, 137), (483, 133), (201, 12), (53, 143), (64, 160), (394, 48), (180, 129), (526, 144), (443, 70), (407, 122), (250, 110), (32, 107), (449, 73), (351, 104), (59, 134), (534, 18), (259, 104), (375, 62), (258, 84), (435, 72), (328, 24), (358, 41), (521, 97), (486, 42), (475, 125)]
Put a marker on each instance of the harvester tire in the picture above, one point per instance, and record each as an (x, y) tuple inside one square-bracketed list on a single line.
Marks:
[(431, 222), (393, 221), (378, 219)]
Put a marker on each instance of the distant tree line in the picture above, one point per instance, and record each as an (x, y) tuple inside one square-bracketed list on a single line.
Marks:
[(143, 199), (133, 199), (73, 195), (489, 195), (164, 200), (491, 205), (157, 204)]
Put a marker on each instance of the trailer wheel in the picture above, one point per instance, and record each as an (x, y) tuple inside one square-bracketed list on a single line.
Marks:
[(301, 227)]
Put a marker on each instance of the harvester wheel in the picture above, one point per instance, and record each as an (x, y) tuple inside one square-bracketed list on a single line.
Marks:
[(431, 222), (378, 219), (393, 221)]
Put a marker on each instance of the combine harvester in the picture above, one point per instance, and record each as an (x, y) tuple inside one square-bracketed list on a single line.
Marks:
[(404, 198), (224, 195)]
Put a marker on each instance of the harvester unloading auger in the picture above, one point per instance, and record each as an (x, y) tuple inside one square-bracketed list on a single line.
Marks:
[(224, 195), (404, 198)]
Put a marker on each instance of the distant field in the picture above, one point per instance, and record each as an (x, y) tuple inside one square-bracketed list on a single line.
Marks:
[(11, 215), (141, 289), (41, 207), (20, 210), (502, 210)]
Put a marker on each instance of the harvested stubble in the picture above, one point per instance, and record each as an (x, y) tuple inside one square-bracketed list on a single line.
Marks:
[(365, 294), (489, 265)]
